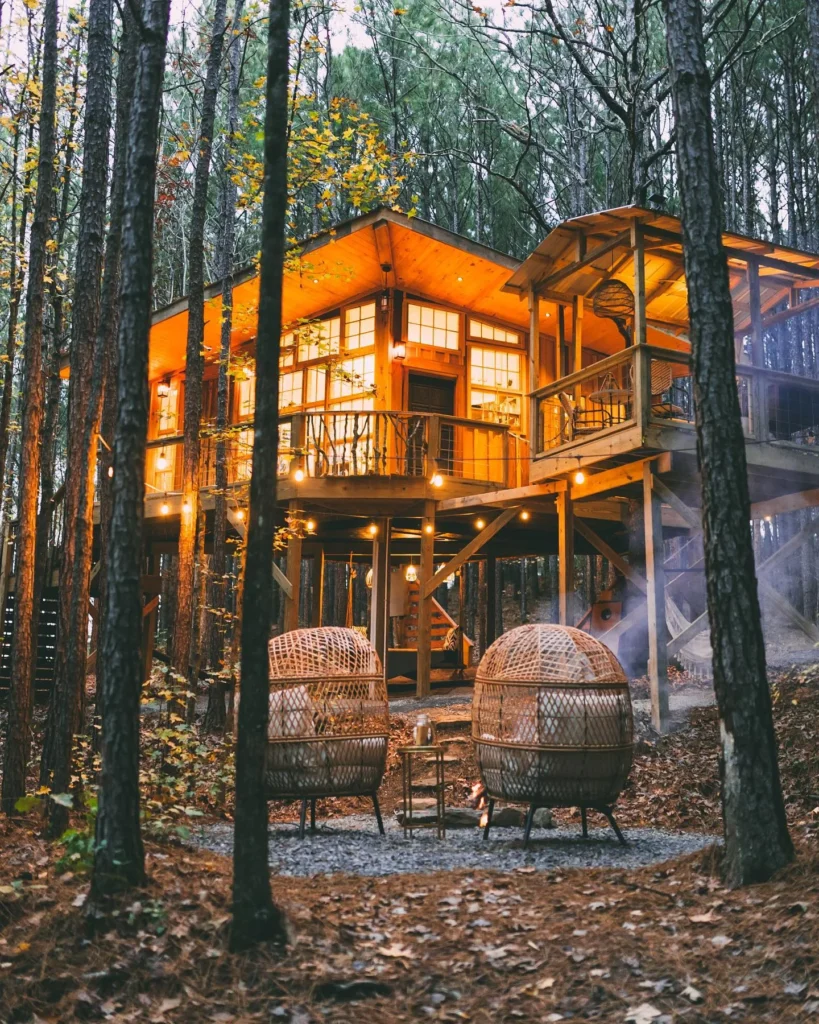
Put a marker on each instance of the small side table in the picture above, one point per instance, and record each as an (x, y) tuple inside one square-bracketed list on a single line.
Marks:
[(433, 758)]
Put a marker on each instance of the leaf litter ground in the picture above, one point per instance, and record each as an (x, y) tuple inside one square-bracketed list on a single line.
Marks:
[(655, 944)]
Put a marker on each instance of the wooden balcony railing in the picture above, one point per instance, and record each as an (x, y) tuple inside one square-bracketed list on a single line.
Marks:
[(650, 386), (354, 443)]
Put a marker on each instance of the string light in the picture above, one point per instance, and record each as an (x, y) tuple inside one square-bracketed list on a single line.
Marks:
[(480, 524), (437, 480), (372, 529), (525, 515), (240, 514), (162, 460), (580, 477), (429, 528), (164, 508), (186, 506), (310, 526), (298, 476), (110, 472)]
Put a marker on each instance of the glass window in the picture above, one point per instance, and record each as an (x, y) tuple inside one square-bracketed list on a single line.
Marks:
[(495, 385), (319, 340), (351, 376), (359, 326), (290, 389), (167, 407), (478, 329), (245, 397), (316, 384), (428, 325)]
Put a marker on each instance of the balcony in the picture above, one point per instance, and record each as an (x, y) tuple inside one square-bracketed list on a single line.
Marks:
[(340, 445), (643, 398)]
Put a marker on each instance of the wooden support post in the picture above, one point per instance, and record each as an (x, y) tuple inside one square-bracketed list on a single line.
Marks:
[(380, 595), (755, 302), (491, 599), (534, 365), (468, 550), (565, 558), (578, 339), (293, 573), (427, 571), (317, 603), (465, 648), (638, 247), (6, 559), (560, 342), (657, 628)]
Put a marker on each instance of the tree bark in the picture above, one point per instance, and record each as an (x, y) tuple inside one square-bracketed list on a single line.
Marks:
[(194, 364), (812, 9), (119, 856), (215, 715), (18, 730), (84, 406), (108, 327), (255, 916), (756, 834)]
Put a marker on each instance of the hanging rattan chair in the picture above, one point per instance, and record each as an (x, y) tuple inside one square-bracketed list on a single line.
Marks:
[(329, 718), (551, 722), (615, 300)]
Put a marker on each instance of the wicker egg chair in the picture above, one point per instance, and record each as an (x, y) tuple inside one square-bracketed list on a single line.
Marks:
[(329, 718), (551, 722)]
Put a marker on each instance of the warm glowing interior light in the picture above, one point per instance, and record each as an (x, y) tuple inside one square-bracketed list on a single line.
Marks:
[(479, 524), (437, 480), (164, 508), (162, 460), (163, 389), (524, 515), (110, 471), (372, 529), (186, 506), (298, 476), (429, 528), (399, 350), (240, 514), (248, 372), (580, 477), (310, 526), (460, 278), (411, 575)]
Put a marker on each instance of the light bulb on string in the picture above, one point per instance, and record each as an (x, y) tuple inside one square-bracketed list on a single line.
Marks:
[(162, 461)]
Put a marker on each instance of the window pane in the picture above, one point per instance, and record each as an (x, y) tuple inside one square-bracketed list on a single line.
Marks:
[(360, 323)]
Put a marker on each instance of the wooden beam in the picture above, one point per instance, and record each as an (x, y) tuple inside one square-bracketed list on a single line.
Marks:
[(638, 246), (283, 582), (655, 598), (620, 476), (383, 246), (425, 579), (491, 599), (534, 365), (785, 503), (585, 261), (783, 605), (147, 608), (508, 496), (607, 551), (560, 343), (577, 339), (565, 559), (676, 644), (466, 552), (692, 518)]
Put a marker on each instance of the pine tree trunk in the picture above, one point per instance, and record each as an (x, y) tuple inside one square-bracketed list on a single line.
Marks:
[(18, 729), (84, 399), (107, 331), (183, 625), (756, 834), (255, 916), (119, 857), (215, 714)]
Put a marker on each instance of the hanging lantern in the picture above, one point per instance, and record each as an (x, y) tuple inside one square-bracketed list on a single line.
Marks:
[(368, 579), (411, 575), (615, 300)]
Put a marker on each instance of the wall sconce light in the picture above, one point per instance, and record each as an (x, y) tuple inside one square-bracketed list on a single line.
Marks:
[(399, 350), (437, 480), (163, 388)]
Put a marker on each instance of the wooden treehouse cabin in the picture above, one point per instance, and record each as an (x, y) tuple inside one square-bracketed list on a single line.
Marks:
[(442, 402)]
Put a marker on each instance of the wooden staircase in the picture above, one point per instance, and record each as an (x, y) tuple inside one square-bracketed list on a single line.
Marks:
[(442, 622)]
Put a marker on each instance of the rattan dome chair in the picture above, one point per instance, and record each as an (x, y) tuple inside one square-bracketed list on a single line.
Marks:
[(551, 722), (329, 718)]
